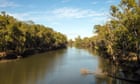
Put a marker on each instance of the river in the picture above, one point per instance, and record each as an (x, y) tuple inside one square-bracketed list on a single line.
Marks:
[(56, 67)]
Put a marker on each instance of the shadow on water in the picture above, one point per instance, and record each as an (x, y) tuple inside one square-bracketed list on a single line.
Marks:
[(56, 67), (104, 65), (30, 70)]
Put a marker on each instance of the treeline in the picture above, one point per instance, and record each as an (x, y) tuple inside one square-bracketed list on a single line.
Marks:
[(119, 38), (22, 38), (82, 42)]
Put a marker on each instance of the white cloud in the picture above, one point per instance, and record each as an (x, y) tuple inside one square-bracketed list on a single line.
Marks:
[(7, 3), (35, 16), (75, 13), (20, 16), (59, 14)]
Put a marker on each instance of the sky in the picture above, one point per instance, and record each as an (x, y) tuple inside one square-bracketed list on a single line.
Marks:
[(70, 17)]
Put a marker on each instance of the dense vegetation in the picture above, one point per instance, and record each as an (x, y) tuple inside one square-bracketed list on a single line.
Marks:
[(82, 43), (119, 38), (22, 37)]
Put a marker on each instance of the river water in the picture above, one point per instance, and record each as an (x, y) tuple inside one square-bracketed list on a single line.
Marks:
[(56, 67)]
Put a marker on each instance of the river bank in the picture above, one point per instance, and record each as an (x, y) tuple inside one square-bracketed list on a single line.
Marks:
[(13, 56), (21, 39)]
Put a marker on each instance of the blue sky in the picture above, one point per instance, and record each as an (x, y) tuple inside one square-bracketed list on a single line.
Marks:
[(70, 17)]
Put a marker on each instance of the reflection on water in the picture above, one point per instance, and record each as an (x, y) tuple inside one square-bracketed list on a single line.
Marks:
[(30, 70), (56, 67)]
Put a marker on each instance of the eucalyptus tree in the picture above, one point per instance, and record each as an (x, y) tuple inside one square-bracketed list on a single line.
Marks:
[(19, 36), (3, 30), (126, 17), (120, 36)]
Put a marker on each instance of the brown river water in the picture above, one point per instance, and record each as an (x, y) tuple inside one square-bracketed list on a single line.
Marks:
[(56, 67)]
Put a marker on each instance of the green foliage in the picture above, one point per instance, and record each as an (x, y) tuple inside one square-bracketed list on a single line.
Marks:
[(120, 36), (18, 36), (83, 43)]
